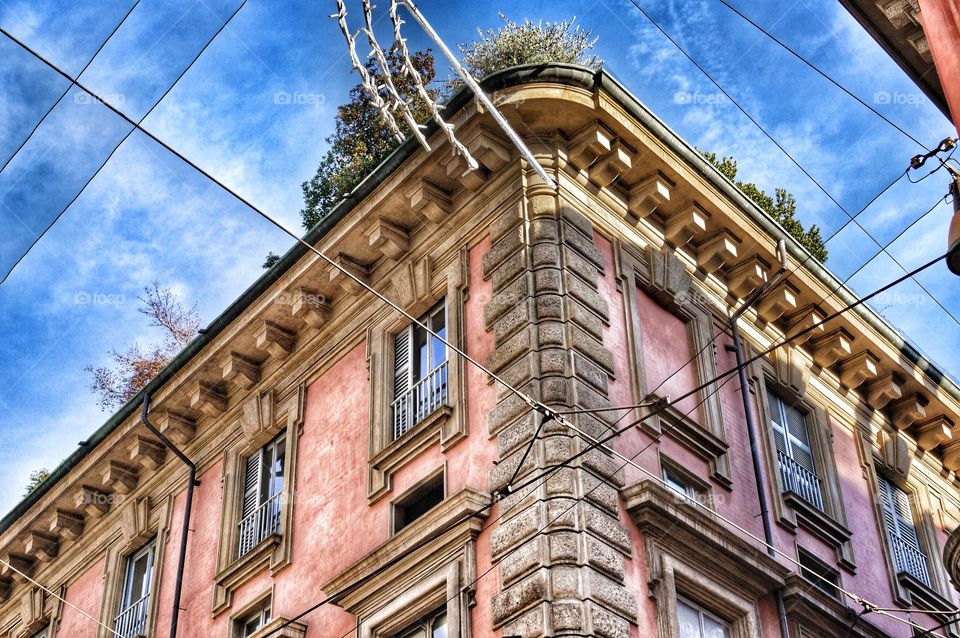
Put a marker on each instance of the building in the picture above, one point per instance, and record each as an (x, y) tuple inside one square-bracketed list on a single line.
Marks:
[(923, 37), (352, 464)]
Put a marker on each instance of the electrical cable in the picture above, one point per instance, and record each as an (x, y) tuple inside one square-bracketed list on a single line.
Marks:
[(59, 598), (69, 86), (136, 125), (821, 72), (782, 149)]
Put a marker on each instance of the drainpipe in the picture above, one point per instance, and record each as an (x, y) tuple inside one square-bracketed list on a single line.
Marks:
[(752, 423), (188, 506)]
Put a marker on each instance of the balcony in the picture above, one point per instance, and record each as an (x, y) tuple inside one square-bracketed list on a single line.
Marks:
[(259, 524), (132, 621), (799, 480), (420, 401), (909, 560)]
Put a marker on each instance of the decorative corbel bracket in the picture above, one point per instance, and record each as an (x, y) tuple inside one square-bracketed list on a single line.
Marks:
[(608, 168), (240, 371), (689, 223), (908, 410), (431, 201), (934, 432), (777, 302), (747, 276), (856, 369), (311, 307), (807, 322), (67, 524), (208, 399), (828, 348), (120, 477), (339, 278), (884, 389), (275, 340), (147, 453), (41, 546), (388, 238), (649, 194), (593, 141), (92, 501), (717, 251), (179, 428)]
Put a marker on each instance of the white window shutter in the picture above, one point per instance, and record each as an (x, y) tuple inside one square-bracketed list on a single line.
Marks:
[(251, 484)]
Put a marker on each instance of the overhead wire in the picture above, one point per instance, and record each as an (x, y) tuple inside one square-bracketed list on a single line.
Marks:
[(136, 126), (69, 86), (770, 137), (822, 73)]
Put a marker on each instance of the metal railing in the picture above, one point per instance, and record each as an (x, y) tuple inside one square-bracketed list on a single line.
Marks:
[(428, 394), (259, 524), (132, 621), (798, 479), (909, 559)]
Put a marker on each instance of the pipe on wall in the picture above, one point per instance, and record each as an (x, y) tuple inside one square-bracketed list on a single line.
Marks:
[(187, 509)]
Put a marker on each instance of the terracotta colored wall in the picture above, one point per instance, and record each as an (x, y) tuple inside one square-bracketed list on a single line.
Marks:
[(86, 594), (941, 24)]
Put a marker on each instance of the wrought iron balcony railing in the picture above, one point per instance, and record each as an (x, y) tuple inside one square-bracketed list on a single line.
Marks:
[(132, 621), (259, 524), (428, 394), (798, 479)]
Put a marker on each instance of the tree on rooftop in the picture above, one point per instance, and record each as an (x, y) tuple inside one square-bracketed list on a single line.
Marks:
[(361, 141), (36, 478), (134, 366), (529, 43), (782, 206)]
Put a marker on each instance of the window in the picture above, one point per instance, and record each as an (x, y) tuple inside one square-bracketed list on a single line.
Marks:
[(433, 626), (418, 501), (43, 633), (677, 483), (819, 573), (798, 472), (262, 493), (695, 622), (898, 520), (135, 597), (253, 622), (420, 371)]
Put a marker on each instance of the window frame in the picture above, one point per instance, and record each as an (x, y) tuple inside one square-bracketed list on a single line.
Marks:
[(415, 377), (421, 287), (662, 276), (264, 492), (441, 473), (792, 511), (123, 604), (263, 418), (702, 613)]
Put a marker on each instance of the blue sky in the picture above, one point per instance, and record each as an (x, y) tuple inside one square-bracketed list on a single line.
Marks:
[(257, 106)]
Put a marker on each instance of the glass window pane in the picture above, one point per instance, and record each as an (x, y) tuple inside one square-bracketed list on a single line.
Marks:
[(278, 463), (688, 620), (438, 350), (713, 628), (421, 352), (440, 626)]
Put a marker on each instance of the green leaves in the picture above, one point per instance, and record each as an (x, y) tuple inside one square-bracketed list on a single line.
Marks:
[(782, 206)]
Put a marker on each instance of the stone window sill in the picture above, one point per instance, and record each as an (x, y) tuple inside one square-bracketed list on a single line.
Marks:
[(420, 437), (244, 567)]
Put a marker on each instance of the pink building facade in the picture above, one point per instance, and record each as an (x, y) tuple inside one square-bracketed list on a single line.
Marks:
[(357, 477)]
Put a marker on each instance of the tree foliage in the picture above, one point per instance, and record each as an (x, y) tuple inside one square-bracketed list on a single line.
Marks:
[(361, 140), (529, 43), (36, 478), (782, 206), (134, 366)]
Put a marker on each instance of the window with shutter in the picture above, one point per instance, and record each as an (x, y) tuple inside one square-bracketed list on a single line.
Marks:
[(263, 483), (135, 596), (791, 436), (908, 557), (420, 371)]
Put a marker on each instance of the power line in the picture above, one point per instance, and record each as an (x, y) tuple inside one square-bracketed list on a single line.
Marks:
[(782, 149), (533, 403), (136, 125), (821, 72), (69, 86)]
